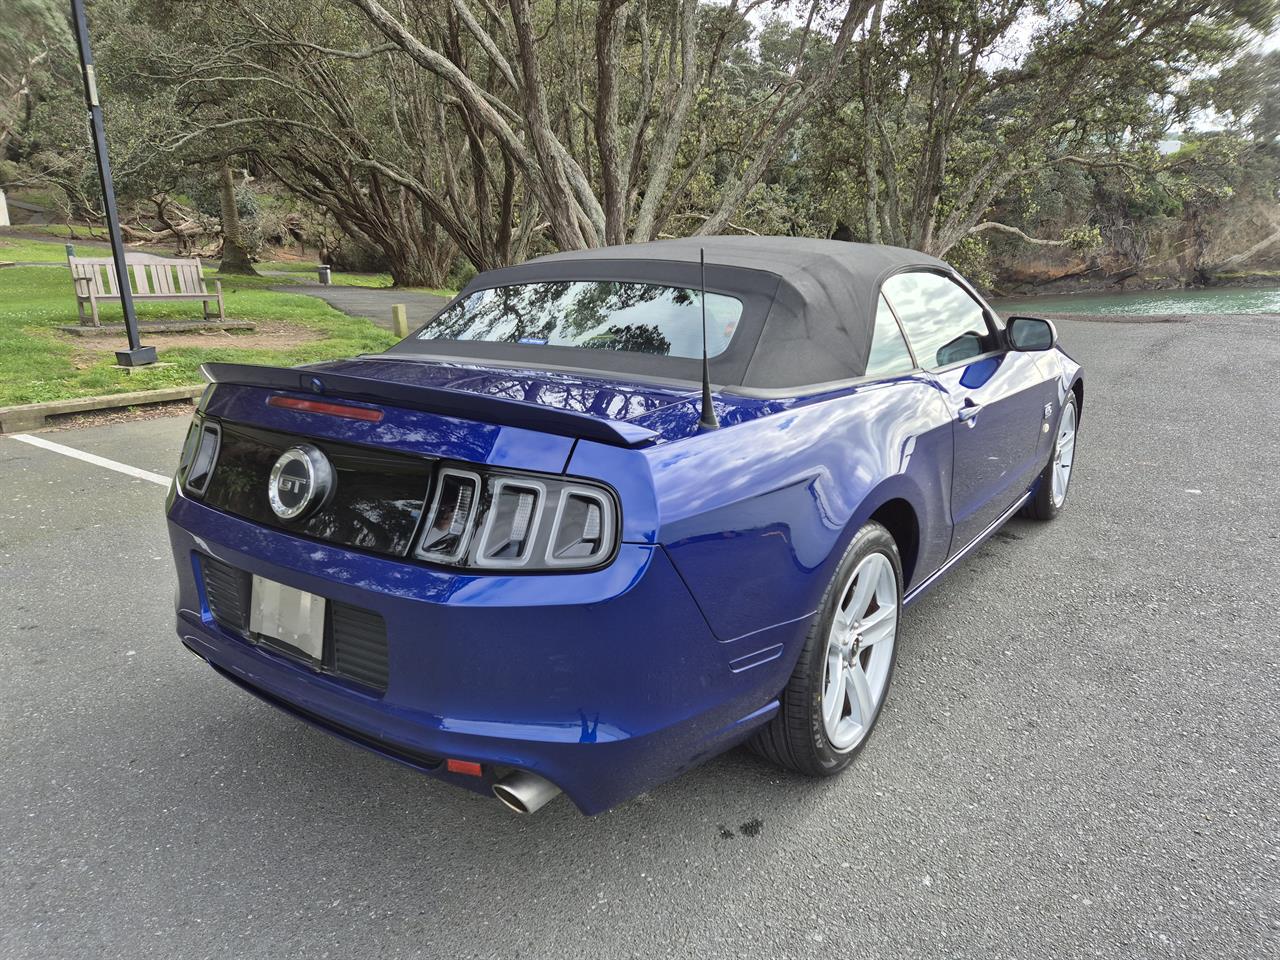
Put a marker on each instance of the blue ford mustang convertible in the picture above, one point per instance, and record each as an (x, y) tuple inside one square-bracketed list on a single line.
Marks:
[(610, 513)]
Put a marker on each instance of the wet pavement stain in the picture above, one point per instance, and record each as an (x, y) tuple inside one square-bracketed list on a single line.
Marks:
[(751, 828)]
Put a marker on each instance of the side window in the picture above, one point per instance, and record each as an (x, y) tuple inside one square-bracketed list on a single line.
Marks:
[(944, 324), (889, 353)]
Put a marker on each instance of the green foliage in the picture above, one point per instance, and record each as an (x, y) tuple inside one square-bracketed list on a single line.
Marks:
[(1047, 118), (461, 274), (1084, 239), (972, 257), (1246, 92), (34, 42)]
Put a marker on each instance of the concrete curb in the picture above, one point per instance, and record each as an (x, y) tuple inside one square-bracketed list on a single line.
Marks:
[(163, 326), (33, 416)]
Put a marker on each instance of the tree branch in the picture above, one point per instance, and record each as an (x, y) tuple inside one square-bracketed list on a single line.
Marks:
[(662, 164), (1006, 228), (1257, 248)]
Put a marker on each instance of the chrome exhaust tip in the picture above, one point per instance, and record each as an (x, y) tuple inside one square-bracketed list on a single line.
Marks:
[(525, 792)]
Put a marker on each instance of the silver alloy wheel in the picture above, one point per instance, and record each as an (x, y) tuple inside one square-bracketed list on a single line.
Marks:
[(859, 652), (1064, 454)]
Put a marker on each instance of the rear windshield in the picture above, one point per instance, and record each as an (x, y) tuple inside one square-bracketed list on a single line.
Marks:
[(592, 314)]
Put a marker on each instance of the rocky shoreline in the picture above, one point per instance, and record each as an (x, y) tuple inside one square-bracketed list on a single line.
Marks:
[(1109, 285), (1152, 318)]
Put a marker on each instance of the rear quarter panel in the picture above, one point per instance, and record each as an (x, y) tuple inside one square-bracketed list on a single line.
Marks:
[(756, 514)]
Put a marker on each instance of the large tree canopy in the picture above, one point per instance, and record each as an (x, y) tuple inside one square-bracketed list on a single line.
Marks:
[(426, 130)]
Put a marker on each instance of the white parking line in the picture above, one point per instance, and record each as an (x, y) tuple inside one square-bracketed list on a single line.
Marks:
[(91, 458)]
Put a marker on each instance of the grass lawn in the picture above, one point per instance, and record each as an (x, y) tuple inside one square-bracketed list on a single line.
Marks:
[(39, 363), (22, 250)]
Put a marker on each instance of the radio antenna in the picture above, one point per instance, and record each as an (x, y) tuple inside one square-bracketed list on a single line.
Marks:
[(708, 419)]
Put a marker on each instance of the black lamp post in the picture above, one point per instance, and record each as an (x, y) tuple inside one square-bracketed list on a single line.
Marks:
[(137, 355)]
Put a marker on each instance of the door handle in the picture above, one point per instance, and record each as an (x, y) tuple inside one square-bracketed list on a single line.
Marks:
[(969, 412)]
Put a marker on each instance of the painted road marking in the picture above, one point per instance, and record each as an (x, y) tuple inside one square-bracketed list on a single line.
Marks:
[(91, 458)]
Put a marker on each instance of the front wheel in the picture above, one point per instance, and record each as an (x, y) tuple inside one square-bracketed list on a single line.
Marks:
[(1051, 490), (842, 677)]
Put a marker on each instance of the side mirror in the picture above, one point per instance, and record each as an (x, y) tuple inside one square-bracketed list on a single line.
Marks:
[(1031, 333)]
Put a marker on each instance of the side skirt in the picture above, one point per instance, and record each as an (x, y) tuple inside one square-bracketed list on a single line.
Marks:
[(918, 590)]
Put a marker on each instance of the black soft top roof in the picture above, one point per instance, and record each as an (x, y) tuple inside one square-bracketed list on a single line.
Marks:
[(808, 306)]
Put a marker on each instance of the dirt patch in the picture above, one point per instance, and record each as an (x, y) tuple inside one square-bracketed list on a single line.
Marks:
[(270, 335), (147, 411)]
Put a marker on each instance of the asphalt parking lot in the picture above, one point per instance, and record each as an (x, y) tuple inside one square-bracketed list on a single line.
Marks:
[(1080, 755)]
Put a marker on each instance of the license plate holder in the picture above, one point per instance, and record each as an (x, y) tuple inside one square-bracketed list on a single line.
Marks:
[(287, 617)]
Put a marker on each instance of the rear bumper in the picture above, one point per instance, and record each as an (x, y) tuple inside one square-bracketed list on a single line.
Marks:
[(604, 683)]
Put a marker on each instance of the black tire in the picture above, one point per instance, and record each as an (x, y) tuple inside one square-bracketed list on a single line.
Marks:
[(796, 738), (1041, 505)]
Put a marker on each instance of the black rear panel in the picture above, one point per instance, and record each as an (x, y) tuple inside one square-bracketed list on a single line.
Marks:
[(226, 590), (377, 500), (359, 644), (355, 641)]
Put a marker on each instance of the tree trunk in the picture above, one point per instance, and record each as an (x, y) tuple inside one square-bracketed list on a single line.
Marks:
[(672, 125), (235, 259), (871, 211), (561, 209), (608, 53), (411, 270)]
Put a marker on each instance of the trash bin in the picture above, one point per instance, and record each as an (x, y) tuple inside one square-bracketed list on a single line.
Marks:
[(324, 274)]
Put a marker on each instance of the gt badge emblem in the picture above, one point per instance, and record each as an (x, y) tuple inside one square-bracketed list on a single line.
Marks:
[(1048, 410), (301, 480)]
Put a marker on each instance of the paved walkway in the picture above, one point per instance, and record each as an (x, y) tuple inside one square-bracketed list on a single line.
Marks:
[(375, 303)]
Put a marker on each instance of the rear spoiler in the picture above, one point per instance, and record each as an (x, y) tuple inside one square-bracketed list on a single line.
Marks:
[(432, 399)]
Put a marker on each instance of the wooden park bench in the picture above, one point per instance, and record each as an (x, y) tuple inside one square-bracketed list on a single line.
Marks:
[(154, 278)]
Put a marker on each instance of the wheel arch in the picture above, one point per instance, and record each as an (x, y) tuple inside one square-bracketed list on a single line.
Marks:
[(898, 504), (899, 517)]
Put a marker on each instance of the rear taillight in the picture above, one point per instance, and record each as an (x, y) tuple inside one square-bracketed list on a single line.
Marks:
[(199, 451), (447, 532), (583, 527), (489, 520)]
